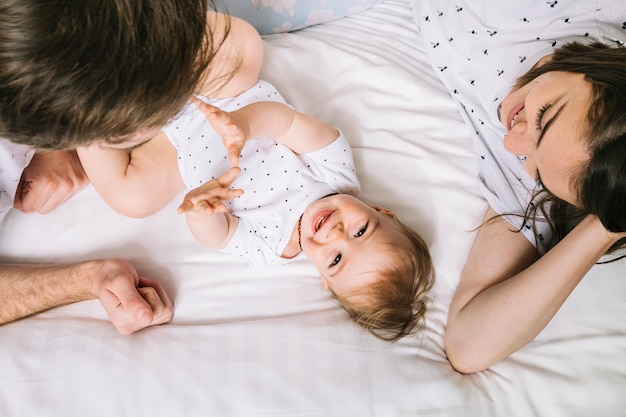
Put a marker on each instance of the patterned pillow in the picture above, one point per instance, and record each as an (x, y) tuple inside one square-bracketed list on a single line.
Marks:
[(273, 16)]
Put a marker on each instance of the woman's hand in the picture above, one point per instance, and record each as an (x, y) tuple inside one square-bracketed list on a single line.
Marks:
[(615, 236)]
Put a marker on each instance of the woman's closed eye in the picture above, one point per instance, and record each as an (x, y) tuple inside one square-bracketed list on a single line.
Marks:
[(540, 114)]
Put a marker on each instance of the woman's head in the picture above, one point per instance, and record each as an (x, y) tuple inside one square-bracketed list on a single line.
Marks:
[(76, 71), (545, 120), (580, 128)]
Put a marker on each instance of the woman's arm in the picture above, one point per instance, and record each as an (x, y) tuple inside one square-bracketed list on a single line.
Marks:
[(135, 183), (506, 296)]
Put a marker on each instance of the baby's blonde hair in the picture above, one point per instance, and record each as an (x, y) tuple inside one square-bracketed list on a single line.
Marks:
[(394, 306)]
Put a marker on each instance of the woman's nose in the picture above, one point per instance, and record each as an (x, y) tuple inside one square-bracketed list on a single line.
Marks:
[(521, 145), (520, 142), (521, 138)]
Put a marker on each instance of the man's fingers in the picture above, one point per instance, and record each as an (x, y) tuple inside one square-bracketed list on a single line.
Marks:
[(18, 201), (151, 297), (154, 294), (28, 199), (135, 306)]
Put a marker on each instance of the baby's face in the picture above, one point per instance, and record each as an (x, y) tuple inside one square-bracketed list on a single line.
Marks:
[(348, 241)]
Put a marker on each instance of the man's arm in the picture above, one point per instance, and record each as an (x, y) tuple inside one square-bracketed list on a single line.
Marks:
[(131, 302)]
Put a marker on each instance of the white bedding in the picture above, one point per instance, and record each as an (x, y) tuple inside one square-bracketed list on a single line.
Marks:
[(272, 342)]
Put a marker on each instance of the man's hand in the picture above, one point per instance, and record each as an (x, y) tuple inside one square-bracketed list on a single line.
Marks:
[(209, 197), (233, 130), (51, 178), (131, 302)]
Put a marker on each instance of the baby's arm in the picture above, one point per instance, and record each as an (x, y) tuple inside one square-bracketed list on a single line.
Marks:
[(134, 183), (299, 132), (207, 216)]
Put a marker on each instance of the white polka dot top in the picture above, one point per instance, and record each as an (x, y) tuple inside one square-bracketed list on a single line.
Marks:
[(278, 184)]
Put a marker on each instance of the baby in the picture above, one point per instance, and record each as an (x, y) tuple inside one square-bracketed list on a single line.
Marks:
[(293, 191)]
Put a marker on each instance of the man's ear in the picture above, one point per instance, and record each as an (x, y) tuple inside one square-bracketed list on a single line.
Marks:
[(381, 210), (324, 283)]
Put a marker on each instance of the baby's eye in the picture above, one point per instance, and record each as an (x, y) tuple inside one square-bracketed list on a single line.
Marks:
[(362, 231), (336, 260)]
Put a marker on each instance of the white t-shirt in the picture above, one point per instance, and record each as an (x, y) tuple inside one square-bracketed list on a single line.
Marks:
[(278, 184), (13, 159), (480, 48)]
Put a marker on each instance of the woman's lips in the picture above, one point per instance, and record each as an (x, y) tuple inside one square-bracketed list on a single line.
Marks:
[(513, 115)]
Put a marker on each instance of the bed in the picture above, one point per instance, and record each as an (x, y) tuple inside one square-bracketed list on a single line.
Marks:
[(273, 342)]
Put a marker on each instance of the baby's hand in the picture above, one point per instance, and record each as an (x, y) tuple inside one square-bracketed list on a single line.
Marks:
[(232, 129), (209, 196)]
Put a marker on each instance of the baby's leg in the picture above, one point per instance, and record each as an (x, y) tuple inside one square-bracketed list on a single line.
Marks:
[(237, 64)]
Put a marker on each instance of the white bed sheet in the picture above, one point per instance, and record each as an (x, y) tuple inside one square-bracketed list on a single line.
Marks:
[(272, 342)]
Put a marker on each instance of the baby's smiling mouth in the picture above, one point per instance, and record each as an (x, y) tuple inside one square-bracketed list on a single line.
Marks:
[(320, 219)]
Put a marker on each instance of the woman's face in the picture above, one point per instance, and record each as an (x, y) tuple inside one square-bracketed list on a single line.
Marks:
[(546, 120)]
